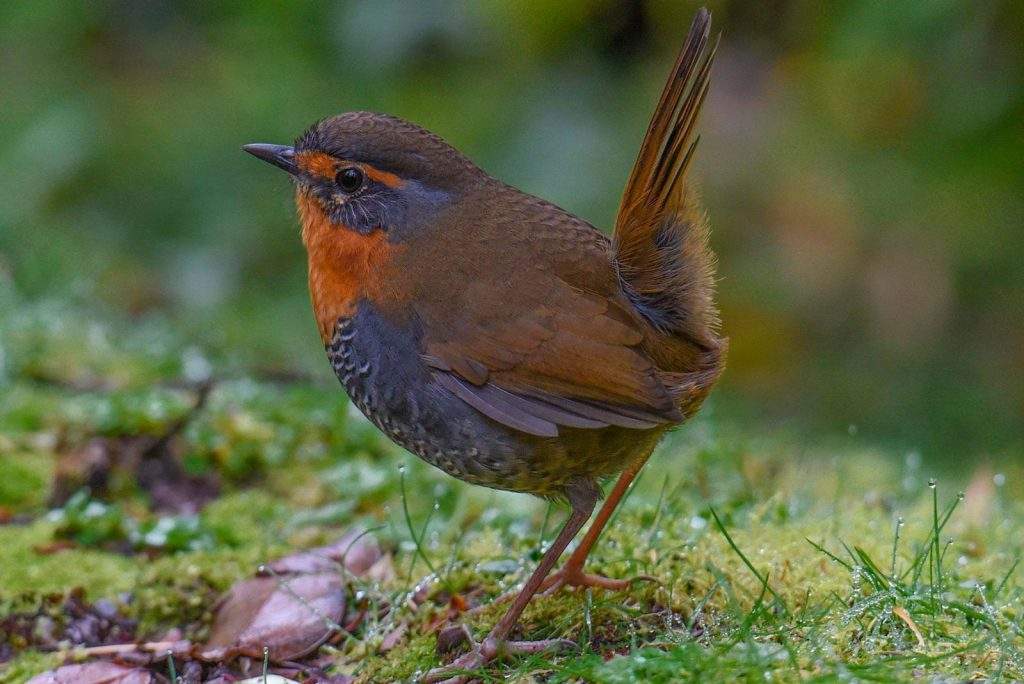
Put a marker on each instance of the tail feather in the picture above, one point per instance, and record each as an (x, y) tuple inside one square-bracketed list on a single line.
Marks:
[(664, 262)]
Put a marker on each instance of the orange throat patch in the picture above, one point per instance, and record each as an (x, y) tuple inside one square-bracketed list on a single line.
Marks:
[(344, 265)]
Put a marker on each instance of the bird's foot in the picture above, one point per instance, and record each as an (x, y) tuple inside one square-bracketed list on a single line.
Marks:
[(570, 578), (461, 669), (576, 578)]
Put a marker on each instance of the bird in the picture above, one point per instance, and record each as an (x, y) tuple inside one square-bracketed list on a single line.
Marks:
[(499, 337)]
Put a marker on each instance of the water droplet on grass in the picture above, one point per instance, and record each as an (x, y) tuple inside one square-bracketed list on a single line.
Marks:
[(932, 482)]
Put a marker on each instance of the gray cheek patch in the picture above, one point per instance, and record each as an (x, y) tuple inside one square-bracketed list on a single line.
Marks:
[(400, 212)]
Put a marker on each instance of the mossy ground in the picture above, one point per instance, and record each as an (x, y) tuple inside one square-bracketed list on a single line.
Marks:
[(804, 615), (771, 560)]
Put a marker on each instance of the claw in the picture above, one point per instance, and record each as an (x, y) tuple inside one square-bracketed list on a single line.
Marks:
[(562, 578), (577, 579), (460, 670)]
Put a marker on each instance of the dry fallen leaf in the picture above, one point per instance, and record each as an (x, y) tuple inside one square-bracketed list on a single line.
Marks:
[(357, 551), (383, 571), (902, 614), (393, 638), (99, 672), (291, 616)]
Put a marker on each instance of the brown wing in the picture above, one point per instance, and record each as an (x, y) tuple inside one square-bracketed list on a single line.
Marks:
[(543, 338)]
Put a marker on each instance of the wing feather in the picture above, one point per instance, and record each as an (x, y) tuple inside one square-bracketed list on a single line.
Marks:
[(561, 357)]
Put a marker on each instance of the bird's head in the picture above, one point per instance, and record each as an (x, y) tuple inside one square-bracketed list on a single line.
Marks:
[(365, 185), (366, 172)]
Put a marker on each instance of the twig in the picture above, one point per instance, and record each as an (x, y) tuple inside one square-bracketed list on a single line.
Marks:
[(118, 649), (202, 391)]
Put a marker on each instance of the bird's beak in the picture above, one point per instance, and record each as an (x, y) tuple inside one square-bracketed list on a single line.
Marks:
[(281, 156)]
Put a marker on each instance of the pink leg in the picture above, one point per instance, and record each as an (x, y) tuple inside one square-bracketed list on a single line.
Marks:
[(582, 498), (572, 573)]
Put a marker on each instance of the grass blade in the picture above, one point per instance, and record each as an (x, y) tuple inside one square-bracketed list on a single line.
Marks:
[(746, 561)]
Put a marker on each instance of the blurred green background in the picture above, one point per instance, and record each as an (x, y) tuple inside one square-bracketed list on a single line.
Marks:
[(861, 163)]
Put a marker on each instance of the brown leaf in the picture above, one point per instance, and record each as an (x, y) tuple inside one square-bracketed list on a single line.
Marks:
[(291, 616), (902, 614), (357, 551), (393, 638), (382, 571), (98, 672)]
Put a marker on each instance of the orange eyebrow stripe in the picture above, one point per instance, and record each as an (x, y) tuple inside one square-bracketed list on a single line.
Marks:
[(385, 177), (316, 163), (325, 166)]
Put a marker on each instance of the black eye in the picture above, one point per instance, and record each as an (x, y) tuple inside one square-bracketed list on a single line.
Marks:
[(350, 179)]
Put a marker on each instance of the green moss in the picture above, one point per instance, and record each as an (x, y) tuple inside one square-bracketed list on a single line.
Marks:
[(416, 655), (25, 481), (26, 665), (247, 517), (26, 572), (181, 590), (709, 616), (170, 590), (760, 603)]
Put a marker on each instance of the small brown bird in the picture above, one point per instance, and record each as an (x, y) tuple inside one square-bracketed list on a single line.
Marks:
[(500, 338)]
